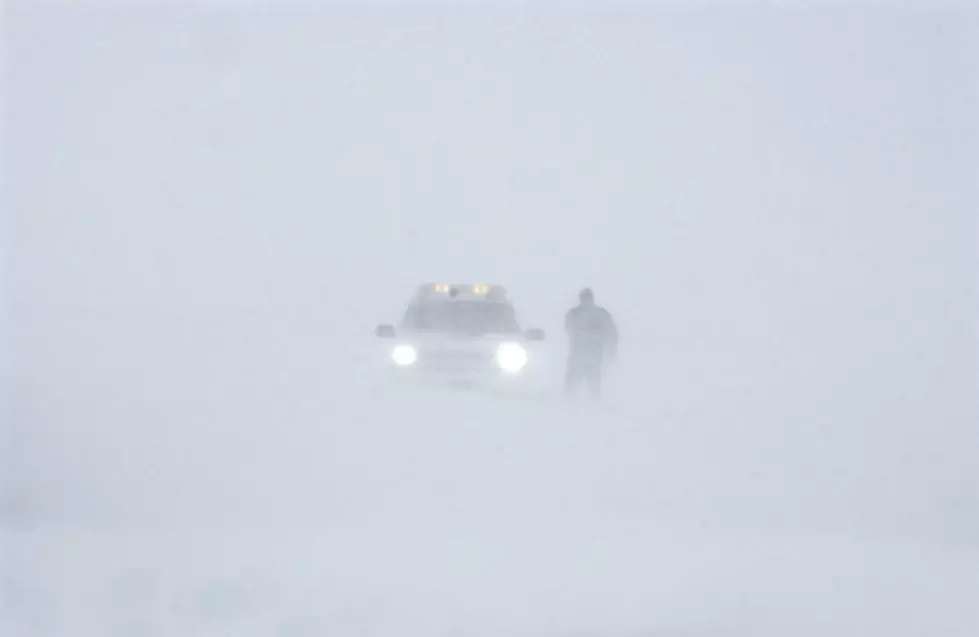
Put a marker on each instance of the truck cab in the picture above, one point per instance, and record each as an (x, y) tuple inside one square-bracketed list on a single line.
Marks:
[(462, 334)]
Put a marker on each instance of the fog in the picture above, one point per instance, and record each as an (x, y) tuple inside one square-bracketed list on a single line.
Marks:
[(208, 208)]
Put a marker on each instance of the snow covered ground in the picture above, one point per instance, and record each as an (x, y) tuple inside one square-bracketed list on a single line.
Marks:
[(211, 208), (456, 515), (484, 519), (559, 576)]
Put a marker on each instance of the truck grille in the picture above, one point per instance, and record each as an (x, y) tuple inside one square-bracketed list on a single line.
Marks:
[(454, 360)]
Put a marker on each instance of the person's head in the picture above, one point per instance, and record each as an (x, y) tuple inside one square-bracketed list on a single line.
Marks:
[(586, 296)]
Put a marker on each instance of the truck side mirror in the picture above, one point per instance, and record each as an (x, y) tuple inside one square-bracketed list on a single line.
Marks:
[(384, 331), (534, 334)]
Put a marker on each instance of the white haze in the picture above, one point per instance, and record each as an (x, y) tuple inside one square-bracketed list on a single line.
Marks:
[(209, 209)]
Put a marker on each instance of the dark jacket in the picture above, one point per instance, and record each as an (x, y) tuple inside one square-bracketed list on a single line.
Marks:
[(591, 331)]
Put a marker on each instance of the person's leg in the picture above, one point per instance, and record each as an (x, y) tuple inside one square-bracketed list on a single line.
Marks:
[(572, 376), (595, 380)]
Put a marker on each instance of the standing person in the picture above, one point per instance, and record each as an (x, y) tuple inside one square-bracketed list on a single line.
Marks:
[(592, 339)]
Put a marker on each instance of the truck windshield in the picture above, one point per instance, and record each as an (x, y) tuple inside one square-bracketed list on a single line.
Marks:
[(462, 317)]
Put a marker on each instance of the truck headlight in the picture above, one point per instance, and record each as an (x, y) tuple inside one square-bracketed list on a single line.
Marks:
[(404, 355), (511, 357)]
